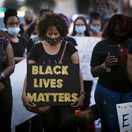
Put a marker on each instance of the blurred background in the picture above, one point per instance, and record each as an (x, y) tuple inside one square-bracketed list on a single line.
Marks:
[(70, 8)]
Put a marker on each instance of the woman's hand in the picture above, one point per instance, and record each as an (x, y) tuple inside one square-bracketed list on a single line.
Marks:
[(29, 105), (110, 61), (79, 102), (2, 87), (42, 109)]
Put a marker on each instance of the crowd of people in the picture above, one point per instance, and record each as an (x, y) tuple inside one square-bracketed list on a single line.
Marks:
[(45, 39)]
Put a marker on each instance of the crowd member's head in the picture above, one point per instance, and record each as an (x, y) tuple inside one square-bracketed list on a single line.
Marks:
[(95, 23), (106, 9), (117, 28), (11, 21), (28, 17), (44, 12), (65, 18), (80, 27), (52, 28), (74, 124)]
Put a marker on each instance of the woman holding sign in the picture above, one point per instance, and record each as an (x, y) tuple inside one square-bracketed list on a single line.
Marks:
[(53, 50)]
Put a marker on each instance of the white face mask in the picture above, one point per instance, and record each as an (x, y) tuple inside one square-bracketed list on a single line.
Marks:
[(80, 29), (95, 28), (13, 30)]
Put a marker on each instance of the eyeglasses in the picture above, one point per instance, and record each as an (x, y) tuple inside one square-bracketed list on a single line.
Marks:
[(13, 23)]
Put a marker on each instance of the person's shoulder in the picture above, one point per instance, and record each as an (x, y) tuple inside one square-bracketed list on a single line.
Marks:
[(39, 44), (102, 45), (71, 40)]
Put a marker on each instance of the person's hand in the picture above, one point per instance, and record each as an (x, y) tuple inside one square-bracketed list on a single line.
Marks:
[(29, 105), (79, 102), (42, 109), (2, 87), (88, 114), (110, 61)]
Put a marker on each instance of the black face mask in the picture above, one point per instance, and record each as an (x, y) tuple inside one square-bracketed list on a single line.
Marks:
[(52, 41)]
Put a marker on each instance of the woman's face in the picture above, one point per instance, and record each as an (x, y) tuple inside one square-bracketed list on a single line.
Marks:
[(13, 25), (53, 36), (79, 22), (80, 26), (52, 32), (12, 22)]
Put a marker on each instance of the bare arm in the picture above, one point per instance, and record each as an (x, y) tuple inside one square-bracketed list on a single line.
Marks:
[(18, 59), (26, 102), (129, 66), (80, 101), (25, 81), (10, 63), (99, 70), (75, 60)]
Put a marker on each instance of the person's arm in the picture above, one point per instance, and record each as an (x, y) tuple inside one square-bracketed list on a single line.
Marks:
[(26, 102), (10, 63), (18, 59), (75, 60), (99, 70), (129, 66)]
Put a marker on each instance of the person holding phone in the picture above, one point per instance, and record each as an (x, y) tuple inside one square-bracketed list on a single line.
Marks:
[(108, 62)]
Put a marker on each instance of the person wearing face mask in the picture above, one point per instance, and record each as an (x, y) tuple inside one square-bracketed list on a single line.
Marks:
[(109, 63), (7, 65), (52, 29), (29, 26), (95, 25), (106, 9), (12, 23), (80, 27)]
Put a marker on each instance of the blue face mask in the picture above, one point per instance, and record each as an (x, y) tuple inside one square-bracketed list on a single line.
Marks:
[(80, 29), (95, 28), (13, 30)]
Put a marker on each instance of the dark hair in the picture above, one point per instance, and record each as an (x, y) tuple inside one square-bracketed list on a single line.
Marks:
[(65, 18), (122, 22), (94, 16), (8, 13), (73, 124), (52, 20), (46, 11), (85, 22)]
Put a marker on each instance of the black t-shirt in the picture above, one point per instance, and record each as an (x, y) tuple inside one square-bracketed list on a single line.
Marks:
[(117, 78), (39, 54), (19, 47)]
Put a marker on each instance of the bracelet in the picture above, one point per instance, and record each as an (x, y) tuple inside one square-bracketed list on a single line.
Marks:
[(105, 68), (83, 92), (103, 65)]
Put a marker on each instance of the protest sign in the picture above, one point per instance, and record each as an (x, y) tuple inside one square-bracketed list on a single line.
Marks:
[(124, 111), (85, 47), (53, 84)]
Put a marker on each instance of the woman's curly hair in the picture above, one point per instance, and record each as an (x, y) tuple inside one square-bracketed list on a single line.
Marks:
[(52, 20)]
